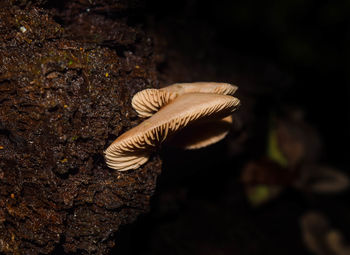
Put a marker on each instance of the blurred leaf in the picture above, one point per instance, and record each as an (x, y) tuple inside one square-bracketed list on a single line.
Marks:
[(336, 243), (315, 227), (260, 194), (273, 150), (292, 141), (322, 179), (320, 238), (265, 171)]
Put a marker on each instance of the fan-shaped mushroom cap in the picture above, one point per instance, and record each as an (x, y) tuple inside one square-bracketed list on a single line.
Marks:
[(133, 148), (149, 101)]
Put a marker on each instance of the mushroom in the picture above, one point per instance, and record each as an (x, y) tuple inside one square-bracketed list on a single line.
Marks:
[(202, 134), (134, 147), (149, 101)]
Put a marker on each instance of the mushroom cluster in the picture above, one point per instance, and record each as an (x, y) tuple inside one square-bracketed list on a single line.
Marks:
[(188, 115)]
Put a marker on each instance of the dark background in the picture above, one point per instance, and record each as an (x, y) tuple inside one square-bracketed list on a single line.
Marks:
[(279, 53), (307, 41)]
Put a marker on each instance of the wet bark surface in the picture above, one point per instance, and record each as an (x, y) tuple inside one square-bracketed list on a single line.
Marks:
[(65, 96)]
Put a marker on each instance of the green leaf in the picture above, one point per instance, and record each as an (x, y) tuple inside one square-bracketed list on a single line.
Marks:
[(258, 195), (273, 151)]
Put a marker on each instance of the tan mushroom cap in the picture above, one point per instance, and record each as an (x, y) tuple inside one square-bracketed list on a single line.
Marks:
[(149, 101), (133, 148)]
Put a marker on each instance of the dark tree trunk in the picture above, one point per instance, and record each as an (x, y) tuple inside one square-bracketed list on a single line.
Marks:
[(65, 92)]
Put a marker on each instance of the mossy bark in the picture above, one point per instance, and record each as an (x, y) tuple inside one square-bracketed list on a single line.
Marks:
[(65, 92)]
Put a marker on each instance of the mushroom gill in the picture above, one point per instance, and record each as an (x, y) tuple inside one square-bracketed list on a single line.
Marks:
[(149, 101), (133, 148), (202, 133)]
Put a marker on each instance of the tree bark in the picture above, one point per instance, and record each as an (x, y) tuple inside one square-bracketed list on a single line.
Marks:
[(65, 92)]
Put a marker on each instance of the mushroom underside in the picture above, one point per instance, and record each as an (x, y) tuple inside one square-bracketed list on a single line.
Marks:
[(134, 147), (200, 135)]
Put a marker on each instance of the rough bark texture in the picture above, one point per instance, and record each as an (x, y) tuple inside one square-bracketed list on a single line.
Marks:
[(64, 97)]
